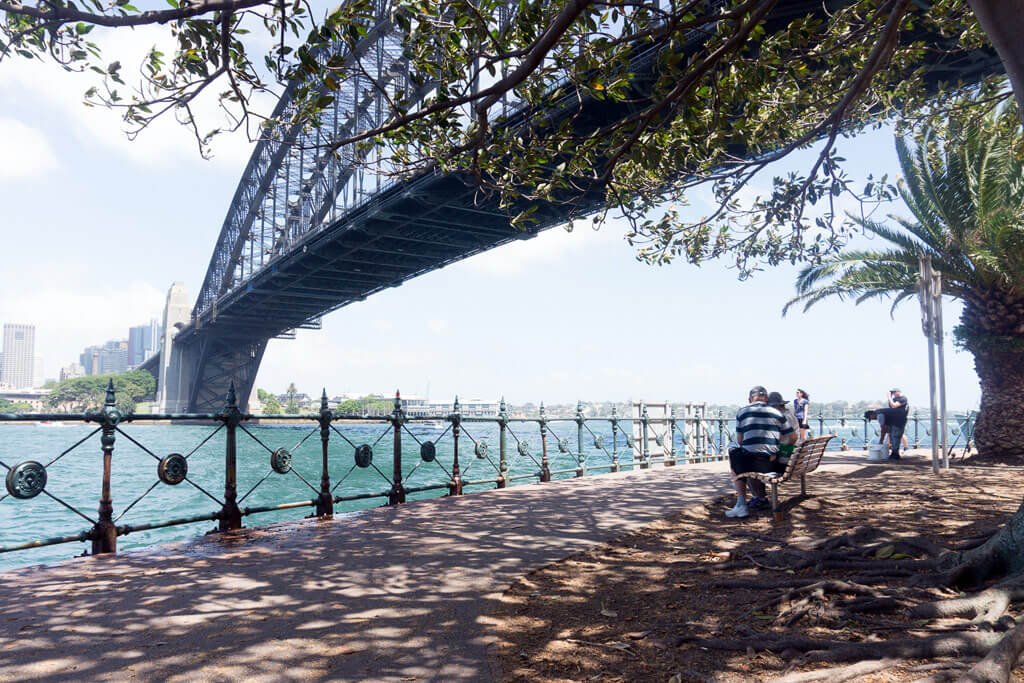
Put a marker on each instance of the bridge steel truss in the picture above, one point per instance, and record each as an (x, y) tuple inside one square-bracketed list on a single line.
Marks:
[(309, 230)]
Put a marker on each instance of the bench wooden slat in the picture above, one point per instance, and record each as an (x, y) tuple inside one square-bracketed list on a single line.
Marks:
[(804, 460)]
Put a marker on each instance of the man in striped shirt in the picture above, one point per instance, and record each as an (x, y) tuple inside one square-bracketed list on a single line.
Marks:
[(759, 429)]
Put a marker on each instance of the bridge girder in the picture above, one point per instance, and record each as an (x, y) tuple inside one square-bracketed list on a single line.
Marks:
[(309, 232)]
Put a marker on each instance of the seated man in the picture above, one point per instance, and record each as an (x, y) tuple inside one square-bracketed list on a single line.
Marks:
[(759, 429)]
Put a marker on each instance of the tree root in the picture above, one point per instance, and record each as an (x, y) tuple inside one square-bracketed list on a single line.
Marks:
[(839, 674), (999, 662), (958, 644), (986, 607)]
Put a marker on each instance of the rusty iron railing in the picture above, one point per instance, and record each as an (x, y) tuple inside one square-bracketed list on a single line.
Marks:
[(565, 446)]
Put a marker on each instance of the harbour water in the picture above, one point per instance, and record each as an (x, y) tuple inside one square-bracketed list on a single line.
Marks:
[(74, 474)]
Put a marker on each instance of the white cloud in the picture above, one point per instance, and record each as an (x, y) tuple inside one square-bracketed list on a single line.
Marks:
[(165, 143), (26, 152), (438, 326)]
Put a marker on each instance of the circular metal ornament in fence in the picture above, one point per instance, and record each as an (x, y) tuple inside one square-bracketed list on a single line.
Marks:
[(481, 449), (26, 480), (523, 448), (563, 445), (659, 439), (599, 442), (630, 441), (281, 460), (364, 455), (173, 469), (428, 451)]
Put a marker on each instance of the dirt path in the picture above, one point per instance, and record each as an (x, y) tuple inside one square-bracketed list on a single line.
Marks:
[(626, 611), (392, 594)]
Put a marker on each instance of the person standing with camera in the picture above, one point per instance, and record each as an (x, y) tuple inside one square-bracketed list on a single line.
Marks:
[(896, 420)]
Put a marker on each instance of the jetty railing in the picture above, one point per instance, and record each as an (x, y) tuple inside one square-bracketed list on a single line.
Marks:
[(455, 452)]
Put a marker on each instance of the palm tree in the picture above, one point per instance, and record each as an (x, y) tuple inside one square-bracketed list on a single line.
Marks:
[(964, 184)]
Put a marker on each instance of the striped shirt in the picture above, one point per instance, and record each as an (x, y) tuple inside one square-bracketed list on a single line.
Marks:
[(761, 427)]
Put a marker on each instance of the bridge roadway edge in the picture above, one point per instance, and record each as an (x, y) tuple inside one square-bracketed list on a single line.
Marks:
[(389, 593)]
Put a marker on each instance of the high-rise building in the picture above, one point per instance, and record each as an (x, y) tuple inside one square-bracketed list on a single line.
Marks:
[(19, 355), (71, 371), (90, 360), (113, 357), (37, 372), (110, 358), (143, 341)]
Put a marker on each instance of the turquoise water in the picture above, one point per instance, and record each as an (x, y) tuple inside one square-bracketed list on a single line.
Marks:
[(140, 498)]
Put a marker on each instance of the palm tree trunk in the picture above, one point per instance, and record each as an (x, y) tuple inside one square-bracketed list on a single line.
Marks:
[(999, 434)]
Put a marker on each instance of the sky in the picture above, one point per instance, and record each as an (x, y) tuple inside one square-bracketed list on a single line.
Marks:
[(96, 227)]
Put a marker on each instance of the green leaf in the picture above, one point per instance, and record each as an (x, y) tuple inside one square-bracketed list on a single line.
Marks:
[(885, 551)]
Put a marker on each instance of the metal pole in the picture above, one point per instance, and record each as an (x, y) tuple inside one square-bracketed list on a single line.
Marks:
[(104, 534), (721, 434), (615, 441), (643, 435), (937, 322), (545, 467), (671, 436), (325, 503), (581, 467), (230, 515), (928, 324), (455, 486), (502, 461), (397, 494)]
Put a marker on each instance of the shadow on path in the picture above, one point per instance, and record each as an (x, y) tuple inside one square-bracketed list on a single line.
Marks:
[(386, 594)]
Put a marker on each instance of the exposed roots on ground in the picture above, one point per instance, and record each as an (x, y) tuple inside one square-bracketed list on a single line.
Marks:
[(904, 584)]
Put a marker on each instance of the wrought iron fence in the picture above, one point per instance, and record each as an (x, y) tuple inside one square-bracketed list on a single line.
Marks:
[(451, 454)]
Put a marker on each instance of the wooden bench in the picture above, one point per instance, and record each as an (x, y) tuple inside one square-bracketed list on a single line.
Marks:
[(805, 459)]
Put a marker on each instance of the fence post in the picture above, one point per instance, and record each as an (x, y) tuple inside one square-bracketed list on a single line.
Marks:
[(581, 457), (502, 435), (917, 424), (455, 485), (615, 441), (643, 437), (721, 433), (230, 515), (397, 494), (545, 467), (671, 461), (325, 502), (104, 534)]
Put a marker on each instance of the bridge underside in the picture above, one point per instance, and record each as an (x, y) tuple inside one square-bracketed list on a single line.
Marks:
[(411, 229), (379, 241)]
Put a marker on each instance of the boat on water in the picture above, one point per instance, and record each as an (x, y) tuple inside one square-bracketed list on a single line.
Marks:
[(49, 423)]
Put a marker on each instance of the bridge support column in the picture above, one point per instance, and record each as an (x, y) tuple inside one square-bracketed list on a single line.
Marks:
[(174, 373)]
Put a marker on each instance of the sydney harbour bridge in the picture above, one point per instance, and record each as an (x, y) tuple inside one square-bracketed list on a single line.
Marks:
[(309, 230)]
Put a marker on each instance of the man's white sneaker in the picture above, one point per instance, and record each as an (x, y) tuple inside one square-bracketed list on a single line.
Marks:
[(738, 510)]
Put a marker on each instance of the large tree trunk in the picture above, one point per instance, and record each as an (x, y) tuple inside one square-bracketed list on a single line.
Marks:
[(1003, 23), (998, 434), (992, 328), (999, 557)]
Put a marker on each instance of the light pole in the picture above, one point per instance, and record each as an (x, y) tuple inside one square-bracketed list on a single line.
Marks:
[(930, 295)]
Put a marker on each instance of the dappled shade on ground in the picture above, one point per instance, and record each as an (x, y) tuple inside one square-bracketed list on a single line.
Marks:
[(390, 594), (703, 597)]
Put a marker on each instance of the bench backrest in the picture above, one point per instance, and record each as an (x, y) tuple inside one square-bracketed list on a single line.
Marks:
[(807, 457)]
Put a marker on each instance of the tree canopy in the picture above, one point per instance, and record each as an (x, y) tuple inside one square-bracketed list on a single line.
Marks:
[(89, 393), (727, 90)]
